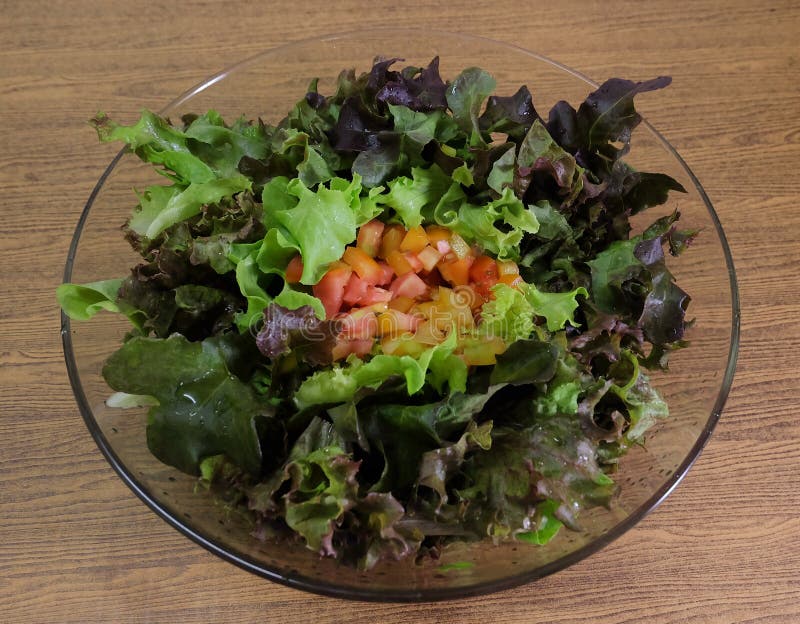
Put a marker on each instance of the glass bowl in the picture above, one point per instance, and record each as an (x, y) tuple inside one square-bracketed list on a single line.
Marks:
[(266, 86)]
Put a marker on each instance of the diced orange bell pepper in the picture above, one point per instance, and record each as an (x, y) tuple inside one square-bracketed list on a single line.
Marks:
[(392, 237), (437, 233), (415, 240), (428, 333), (402, 304), (392, 323), (507, 267), (399, 263), (513, 280), (369, 237), (366, 268), (457, 272), (404, 344)]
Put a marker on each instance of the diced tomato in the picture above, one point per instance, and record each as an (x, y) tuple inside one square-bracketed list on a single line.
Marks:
[(429, 256), (355, 290), (484, 269), (366, 267), (402, 304), (457, 272), (369, 237), (330, 289), (443, 247), (358, 325), (344, 347), (359, 292), (413, 260), (294, 270), (392, 237), (415, 240), (387, 274), (409, 285), (484, 290), (475, 298), (393, 322), (361, 347), (399, 263), (375, 295)]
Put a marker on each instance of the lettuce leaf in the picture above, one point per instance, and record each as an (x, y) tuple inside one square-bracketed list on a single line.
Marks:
[(631, 278), (162, 207), (546, 524), (205, 150), (156, 141), (419, 89), (539, 152), (508, 315), (558, 309), (438, 466), (322, 223), (512, 115), (317, 224), (608, 114), (409, 197), (340, 383), (297, 330), (479, 224), (465, 97), (247, 277), (525, 362), (203, 409), (82, 301), (551, 459), (318, 495)]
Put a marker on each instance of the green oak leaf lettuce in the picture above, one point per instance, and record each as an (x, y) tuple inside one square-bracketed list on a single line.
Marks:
[(498, 226), (340, 383), (82, 301)]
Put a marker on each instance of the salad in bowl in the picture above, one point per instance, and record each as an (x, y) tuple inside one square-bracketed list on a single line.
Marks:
[(411, 313)]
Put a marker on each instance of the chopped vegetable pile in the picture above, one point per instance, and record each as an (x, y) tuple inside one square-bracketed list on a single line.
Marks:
[(412, 312)]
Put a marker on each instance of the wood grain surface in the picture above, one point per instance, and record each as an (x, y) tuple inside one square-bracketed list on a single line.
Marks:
[(77, 546)]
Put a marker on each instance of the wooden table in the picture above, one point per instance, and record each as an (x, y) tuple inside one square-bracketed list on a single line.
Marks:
[(76, 544)]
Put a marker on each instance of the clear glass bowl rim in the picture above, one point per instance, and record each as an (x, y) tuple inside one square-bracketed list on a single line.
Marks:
[(399, 595)]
